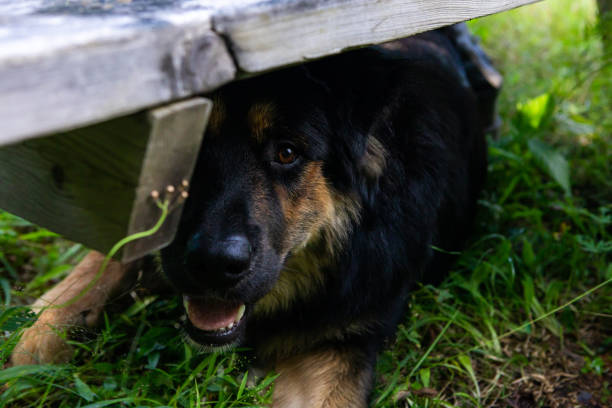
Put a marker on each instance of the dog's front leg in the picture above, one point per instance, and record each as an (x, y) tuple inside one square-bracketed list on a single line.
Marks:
[(329, 378), (66, 305)]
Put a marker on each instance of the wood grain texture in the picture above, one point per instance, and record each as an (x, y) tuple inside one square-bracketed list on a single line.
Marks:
[(63, 65), (80, 184), (69, 63), (91, 184), (172, 150), (285, 32)]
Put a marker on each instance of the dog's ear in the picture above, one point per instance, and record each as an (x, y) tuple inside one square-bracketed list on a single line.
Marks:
[(372, 166), (357, 158)]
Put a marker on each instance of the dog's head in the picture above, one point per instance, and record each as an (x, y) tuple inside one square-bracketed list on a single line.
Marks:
[(274, 180)]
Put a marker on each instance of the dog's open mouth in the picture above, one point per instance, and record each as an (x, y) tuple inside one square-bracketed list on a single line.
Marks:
[(214, 322)]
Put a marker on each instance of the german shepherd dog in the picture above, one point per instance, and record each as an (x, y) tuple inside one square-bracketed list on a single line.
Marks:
[(321, 195)]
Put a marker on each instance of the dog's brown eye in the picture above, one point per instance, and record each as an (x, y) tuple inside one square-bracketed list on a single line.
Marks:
[(286, 155)]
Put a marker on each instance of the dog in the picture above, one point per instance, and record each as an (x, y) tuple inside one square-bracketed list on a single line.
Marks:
[(321, 196)]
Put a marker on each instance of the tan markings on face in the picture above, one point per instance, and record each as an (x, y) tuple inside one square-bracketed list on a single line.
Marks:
[(217, 117), (317, 223), (374, 160), (261, 208), (325, 378), (261, 116), (307, 207), (301, 276)]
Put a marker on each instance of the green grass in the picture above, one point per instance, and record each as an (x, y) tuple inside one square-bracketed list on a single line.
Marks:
[(542, 239)]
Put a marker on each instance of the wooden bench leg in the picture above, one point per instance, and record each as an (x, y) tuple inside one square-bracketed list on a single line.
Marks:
[(92, 185)]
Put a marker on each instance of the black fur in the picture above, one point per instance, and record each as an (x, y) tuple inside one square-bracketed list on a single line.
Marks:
[(413, 97)]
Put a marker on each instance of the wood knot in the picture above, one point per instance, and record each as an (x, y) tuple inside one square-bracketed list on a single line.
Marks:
[(58, 176)]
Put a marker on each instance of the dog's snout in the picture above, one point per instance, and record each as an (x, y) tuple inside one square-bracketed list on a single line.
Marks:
[(234, 254), (219, 262)]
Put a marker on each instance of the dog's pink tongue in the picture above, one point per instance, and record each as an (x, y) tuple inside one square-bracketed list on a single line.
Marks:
[(209, 315)]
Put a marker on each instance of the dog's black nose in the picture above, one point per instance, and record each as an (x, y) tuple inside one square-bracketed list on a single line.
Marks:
[(218, 262), (234, 254)]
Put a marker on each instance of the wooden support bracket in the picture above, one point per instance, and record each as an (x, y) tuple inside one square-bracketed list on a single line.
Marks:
[(92, 185)]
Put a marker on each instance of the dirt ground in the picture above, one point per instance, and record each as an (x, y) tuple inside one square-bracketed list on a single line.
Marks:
[(561, 374)]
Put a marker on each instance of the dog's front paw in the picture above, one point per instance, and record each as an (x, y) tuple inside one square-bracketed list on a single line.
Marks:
[(78, 300), (44, 342)]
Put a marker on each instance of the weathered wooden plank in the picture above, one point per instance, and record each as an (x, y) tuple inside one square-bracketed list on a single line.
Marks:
[(63, 65), (174, 143), (68, 63), (277, 33), (92, 184)]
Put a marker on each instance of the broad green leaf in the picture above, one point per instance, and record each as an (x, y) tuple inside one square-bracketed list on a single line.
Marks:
[(589, 244), (466, 362), (152, 360), (14, 317), (552, 162), (36, 235), (535, 110), (425, 375), (577, 124), (83, 389), (528, 255), (6, 290)]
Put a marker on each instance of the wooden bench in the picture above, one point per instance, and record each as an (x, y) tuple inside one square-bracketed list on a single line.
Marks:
[(98, 98)]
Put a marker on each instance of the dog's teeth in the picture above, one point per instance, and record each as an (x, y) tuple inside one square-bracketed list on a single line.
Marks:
[(221, 330), (186, 305), (240, 313)]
